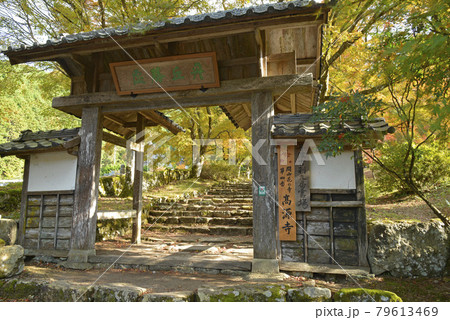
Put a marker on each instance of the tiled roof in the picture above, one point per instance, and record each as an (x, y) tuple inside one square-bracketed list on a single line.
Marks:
[(40, 140), (174, 22), (293, 125)]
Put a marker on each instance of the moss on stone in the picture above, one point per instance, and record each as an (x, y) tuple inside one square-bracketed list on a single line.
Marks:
[(365, 295), (168, 297), (2, 243), (15, 289), (309, 294), (249, 293)]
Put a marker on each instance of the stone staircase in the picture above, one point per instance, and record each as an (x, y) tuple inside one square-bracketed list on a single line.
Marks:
[(224, 210)]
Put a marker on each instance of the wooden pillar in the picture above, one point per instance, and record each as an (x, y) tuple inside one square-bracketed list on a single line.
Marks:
[(360, 196), (263, 166), (23, 202), (84, 223), (138, 177)]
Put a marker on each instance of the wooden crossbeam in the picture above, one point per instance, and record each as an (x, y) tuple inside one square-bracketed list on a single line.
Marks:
[(231, 91), (112, 138)]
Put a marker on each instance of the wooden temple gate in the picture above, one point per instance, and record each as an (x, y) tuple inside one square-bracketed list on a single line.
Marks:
[(264, 63)]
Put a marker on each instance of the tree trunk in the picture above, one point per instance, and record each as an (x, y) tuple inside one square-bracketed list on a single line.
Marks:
[(127, 190), (197, 167), (433, 208)]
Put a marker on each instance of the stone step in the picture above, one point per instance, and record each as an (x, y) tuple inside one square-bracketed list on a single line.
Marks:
[(228, 198), (230, 192), (228, 189), (226, 209), (216, 199), (210, 202), (195, 220), (211, 230), (237, 185), (210, 214), (222, 206)]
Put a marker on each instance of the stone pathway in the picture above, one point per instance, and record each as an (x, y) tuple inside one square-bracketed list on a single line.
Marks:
[(178, 252)]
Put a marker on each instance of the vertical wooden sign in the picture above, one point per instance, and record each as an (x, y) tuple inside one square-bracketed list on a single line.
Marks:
[(287, 226), (302, 188)]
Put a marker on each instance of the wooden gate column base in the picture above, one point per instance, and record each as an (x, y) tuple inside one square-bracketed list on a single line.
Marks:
[(265, 266), (78, 259)]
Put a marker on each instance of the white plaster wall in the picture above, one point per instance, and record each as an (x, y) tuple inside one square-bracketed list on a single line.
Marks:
[(337, 173), (52, 171)]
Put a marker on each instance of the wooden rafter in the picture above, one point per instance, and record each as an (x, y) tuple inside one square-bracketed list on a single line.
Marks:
[(158, 118)]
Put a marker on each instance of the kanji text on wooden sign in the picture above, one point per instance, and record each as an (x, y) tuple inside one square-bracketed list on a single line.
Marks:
[(186, 72), (302, 188), (287, 226)]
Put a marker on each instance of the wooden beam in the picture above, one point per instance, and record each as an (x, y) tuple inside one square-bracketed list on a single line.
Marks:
[(361, 211), (22, 154), (138, 178), (115, 119), (108, 137), (120, 122), (306, 61), (157, 118), (131, 124), (240, 115), (304, 24), (230, 91), (247, 110), (161, 49), (238, 62), (188, 102), (84, 224), (261, 50), (72, 143), (24, 201), (73, 151), (263, 166), (293, 105), (116, 140), (336, 204)]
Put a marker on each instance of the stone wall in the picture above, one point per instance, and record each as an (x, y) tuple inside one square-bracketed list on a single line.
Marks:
[(109, 229), (409, 249), (59, 291), (8, 231), (10, 200)]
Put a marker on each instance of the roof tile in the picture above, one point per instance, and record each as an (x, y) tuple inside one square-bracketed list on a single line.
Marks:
[(192, 19), (291, 125), (39, 140)]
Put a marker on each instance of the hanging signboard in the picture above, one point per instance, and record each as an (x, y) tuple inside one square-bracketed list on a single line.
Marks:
[(287, 226), (186, 72)]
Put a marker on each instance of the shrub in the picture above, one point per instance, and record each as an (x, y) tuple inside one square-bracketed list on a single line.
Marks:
[(432, 166), (106, 170), (219, 170), (10, 200)]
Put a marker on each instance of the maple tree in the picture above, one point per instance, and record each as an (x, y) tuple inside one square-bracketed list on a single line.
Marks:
[(390, 58)]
